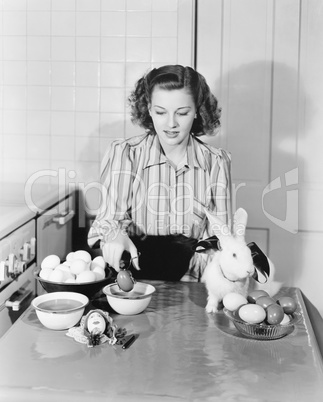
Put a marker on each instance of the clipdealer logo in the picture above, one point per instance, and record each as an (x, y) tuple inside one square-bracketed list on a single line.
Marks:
[(66, 183), (290, 222)]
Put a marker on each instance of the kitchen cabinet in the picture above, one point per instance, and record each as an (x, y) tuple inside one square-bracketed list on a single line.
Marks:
[(33, 224)]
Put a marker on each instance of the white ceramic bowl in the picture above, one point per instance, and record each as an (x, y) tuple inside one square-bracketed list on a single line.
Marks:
[(60, 310), (129, 303)]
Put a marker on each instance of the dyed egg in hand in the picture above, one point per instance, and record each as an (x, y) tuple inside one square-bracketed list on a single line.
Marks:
[(252, 313), (232, 301), (125, 280)]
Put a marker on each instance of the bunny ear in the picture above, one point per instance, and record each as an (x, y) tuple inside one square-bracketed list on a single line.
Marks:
[(240, 219), (217, 227)]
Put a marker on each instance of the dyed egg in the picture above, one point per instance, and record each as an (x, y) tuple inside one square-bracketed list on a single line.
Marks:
[(253, 296), (275, 314), (232, 301), (125, 280), (288, 304), (265, 301), (252, 313)]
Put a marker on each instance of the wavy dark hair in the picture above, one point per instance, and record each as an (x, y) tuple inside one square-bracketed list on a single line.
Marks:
[(172, 77)]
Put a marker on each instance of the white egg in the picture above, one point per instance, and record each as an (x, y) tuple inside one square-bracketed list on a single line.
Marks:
[(285, 320), (45, 273), (68, 262), (99, 273), (59, 277), (78, 266), (56, 275), (66, 271), (86, 276), (63, 267), (98, 262), (232, 301), (82, 255), (70, 256), (69, 276), (51, 261), (70, 280)]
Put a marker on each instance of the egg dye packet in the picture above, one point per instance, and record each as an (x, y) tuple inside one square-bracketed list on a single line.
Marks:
[(97, 328)]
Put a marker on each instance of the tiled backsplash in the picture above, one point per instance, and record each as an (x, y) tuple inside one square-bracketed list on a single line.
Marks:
[(66, 69)]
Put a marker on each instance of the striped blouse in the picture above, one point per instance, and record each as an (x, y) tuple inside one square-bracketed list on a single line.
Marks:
[(144, 193)]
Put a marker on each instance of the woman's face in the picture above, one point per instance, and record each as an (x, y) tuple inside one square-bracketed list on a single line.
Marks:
[(172, 112)]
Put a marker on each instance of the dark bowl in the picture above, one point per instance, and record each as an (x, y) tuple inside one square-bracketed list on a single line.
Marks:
[(88, 289)]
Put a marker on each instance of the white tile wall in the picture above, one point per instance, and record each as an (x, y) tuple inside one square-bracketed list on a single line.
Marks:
[(66, 69)]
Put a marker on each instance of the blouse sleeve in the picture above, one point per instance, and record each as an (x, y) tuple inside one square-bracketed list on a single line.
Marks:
[(116, 190)]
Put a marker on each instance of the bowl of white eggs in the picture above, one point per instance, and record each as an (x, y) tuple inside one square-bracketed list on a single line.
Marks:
[(78, 272)]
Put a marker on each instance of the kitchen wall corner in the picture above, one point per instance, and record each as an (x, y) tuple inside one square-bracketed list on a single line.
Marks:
[(66, 69)]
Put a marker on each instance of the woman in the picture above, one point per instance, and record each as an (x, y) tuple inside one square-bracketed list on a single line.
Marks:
[(158, 184)]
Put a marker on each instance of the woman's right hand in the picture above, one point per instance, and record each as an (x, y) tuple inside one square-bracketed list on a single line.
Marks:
[(112, 251)]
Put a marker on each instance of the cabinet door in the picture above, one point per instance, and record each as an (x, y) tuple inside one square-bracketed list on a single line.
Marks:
[(54, 232), (263, 60)]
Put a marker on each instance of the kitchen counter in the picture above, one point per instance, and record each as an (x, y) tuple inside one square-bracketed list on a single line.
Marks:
[(12, 217), (182, 353), (20, 203)]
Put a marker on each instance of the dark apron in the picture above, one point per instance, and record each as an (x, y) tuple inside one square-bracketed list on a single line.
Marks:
[(163, 257)]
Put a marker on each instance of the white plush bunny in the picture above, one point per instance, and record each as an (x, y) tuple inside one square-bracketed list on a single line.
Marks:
[(232, 267)]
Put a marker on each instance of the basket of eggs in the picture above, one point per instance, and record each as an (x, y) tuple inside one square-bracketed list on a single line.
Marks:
[(259, 316), (78, 273)]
